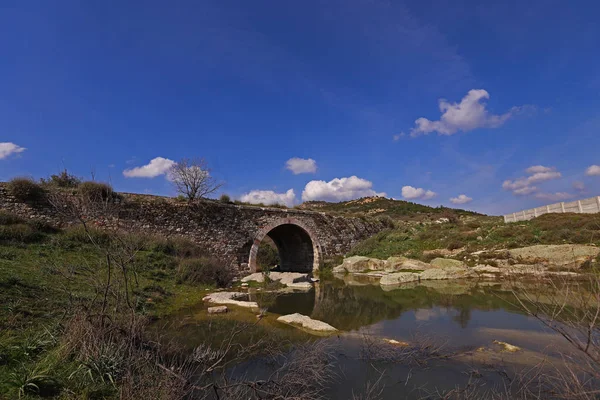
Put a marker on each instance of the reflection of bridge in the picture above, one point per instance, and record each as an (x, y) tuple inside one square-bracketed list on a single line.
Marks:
[(232, 232), (349, 307)]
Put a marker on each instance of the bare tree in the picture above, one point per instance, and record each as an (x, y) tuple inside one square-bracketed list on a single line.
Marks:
[(192, 178)]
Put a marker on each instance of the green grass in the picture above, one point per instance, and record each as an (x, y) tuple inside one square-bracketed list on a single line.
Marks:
[(45, 273), (481, 233)]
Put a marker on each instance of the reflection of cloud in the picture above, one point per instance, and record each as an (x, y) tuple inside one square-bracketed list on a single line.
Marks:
[(426, 314)]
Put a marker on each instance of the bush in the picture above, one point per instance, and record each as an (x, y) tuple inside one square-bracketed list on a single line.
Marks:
[(26, 190), (62, 180), (78, 234), (204, 270), (455, 244), (225, 198), (22, 233), (176, 246), (96, 191), (7, 218), (267, 257)]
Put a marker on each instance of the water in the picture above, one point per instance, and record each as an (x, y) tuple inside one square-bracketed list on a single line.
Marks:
[(465, 318)]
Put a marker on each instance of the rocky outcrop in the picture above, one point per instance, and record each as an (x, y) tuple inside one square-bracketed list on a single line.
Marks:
[(447, 263), (360, 264), (403, 263), (564, 255), (399, 278), (307, 323)]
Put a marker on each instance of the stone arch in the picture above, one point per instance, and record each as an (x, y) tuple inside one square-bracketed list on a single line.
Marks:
[(296, 243)]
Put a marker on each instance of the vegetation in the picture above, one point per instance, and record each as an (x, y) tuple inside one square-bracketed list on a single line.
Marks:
[(474, 233), (268, 255), (26, 190), (63, 180), (96, 191), (225, 198), (397, 210), (192, 179)]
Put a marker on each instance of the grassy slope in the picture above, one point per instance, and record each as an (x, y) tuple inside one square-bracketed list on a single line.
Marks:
[(44, 272), (481, 232), (383, 207)]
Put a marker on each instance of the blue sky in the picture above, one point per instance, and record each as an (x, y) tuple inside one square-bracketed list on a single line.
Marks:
[(423, 100)]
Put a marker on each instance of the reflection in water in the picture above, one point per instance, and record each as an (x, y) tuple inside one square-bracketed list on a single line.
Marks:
[(468, 315), (354, 307)]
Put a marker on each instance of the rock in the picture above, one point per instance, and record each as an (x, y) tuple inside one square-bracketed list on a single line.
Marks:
[(447, 262), (290, 279), (398, 278), (479, 238), (445, 273), (217, 310), (256, 277), (567, 255), (360, 264), (398, 263), (486, 269), (244, 284), (507, 347), (308, 323), (397, 342), (230, 298)]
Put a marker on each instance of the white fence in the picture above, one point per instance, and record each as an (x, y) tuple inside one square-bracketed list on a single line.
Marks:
[(587, 206)]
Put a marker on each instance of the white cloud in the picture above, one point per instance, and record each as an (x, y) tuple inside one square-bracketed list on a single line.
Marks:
[(525, 185), (398, 136), (412, 193), (579, 186), (301, 165), (558, 196), (269, 197), (461, 199), (465, 116), (339, 189), (157, 166), (8, 148), (593, 170), (525, 190), (534, 169)]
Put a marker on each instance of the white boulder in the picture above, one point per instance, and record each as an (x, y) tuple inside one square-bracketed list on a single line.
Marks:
[(307, 323)]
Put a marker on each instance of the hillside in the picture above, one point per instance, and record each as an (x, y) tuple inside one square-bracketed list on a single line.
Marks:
[(384, 207)]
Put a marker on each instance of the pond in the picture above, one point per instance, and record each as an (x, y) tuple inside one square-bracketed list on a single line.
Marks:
[(460, 329)]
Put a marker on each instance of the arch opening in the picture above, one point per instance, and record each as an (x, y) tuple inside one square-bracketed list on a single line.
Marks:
[(297, 247)]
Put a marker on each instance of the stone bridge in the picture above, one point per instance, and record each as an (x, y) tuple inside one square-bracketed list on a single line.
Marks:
[(304, 239)]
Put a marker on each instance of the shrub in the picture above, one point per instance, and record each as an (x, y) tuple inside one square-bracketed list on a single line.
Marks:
[(455, 244), (7, 218), (96, 191), (225, 198), (22, 233), (78, 234), (204, 270), (176, 246), (26, 190), (267, 257), (62, 180)]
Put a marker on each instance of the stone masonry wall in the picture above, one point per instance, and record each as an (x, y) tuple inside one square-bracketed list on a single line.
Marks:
[(226, 230)]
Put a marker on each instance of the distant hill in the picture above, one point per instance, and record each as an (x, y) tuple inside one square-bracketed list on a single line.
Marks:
[(381, 206)]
